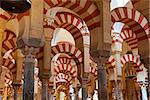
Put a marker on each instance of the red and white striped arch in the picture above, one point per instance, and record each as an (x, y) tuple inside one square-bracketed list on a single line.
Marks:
[(9, 41), (131, 58), (10, 65), (8, 78), (63, 60), (93, 70), (84, 8), (5, 16), (70, 22), (65, 69), (68, 49), (63, 78), (128, 36), (134, 19), (111, 62)]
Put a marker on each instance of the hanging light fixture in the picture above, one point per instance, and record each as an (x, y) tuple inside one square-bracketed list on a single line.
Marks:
[(15, 6)]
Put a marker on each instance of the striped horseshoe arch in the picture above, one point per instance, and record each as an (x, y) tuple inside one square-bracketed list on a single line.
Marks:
[(5, 16), (9, 41), (85, 8), (68, 49), (66, 69), (8, 78), (134, 19), (10, 65), (128, 36), (131, 58), (63, 78), (93, 70), (111, 62), (70, 22), (63, 60)]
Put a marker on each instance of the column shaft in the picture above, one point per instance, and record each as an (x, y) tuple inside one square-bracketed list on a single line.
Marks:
[(29, 64), (28, 86), (144, 93), (117, 48), (102, 84), (16, 88), (149, 81), (45, 93), (76, 96), (45, 70), (84, 93)]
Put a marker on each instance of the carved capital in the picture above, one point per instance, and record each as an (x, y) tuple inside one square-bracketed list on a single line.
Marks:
[(29, 53), (44, 75), (100, 56), (50, 16)]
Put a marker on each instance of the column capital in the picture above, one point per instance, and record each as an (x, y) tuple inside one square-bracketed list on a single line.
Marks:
[(44, 75), (50, 15), (29, 53), (100, 56)]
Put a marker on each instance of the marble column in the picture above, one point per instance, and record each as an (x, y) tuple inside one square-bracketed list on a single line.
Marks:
[(102, 84), (100, 57), (76, 93), (84, 93), (149, 82), (84, 86), (28, 86), (16, 87), (45, 69), (147, 65), (45, 93), (116, 52), (144, 92)]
